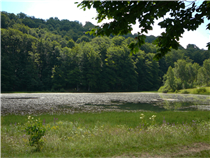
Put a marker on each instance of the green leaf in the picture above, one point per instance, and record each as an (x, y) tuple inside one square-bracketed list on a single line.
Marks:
[(208, 45)]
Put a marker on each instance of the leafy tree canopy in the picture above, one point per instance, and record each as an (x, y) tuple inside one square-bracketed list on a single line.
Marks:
[(125, 13)]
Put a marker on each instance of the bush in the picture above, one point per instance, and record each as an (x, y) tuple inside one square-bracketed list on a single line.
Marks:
[(185, 92), (176, 91), (200, 90), (163, 89), (35, 129)]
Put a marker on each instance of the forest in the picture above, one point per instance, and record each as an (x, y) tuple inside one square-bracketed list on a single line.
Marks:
[(57, 55)]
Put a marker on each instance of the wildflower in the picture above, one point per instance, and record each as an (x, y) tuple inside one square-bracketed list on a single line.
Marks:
[(142, 116), (32, 118), (29, 117), (153, 116)]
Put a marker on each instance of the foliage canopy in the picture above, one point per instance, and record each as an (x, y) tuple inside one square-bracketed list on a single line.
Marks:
[(54, 55), (125, 13)]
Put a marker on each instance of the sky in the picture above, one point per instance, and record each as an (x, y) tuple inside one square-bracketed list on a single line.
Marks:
[(66, 9)]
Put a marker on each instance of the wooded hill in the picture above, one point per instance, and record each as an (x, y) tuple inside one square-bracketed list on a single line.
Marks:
[(57, 55)]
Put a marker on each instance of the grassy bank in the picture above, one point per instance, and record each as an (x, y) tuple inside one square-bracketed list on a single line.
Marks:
[(198, 90), (109, 134)]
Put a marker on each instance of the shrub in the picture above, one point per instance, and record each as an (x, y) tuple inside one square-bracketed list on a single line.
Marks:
[(163, 89), (200, 90), (35, 129), (176, 91), (185, 92)]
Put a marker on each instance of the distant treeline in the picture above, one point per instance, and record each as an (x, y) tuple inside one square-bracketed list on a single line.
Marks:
[(57, 55)]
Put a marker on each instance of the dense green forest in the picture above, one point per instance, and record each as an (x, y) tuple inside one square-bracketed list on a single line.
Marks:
[(57, 55)]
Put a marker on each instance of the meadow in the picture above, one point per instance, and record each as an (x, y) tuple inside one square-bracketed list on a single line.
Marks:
[(123, 133)]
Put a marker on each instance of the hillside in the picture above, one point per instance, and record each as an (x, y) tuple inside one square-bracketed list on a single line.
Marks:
[(57, 55)]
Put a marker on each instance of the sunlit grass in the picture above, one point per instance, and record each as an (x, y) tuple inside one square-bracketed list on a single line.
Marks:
[(106, 135), (194, 91)]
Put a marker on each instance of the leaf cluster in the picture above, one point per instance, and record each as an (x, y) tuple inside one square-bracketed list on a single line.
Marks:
[(126, 13)]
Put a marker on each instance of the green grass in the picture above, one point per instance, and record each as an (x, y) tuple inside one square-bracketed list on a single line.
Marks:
[(107, 134), (114, 118), (195, 91)]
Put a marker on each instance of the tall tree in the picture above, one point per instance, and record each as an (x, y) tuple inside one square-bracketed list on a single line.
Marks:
[(206, 65), (171, 79), (180, 71), (201, 78)]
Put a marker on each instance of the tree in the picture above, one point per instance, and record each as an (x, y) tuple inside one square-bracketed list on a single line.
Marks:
[(117, 40), (180, 71), (4, 20), (90, 67), (206, 65), (201, 76), (125, 13), (83, 38), (169, 81), (71, 43)]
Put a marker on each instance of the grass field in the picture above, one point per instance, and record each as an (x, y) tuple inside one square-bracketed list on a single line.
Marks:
[(111, 134)]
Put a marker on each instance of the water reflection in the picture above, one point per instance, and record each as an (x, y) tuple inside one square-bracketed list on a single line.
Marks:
[(178, 106), (135, 106), (159, 106)]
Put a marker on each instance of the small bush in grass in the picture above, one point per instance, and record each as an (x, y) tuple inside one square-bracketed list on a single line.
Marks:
[(176, 91), (200, 90), (35, 129), (185, 92)]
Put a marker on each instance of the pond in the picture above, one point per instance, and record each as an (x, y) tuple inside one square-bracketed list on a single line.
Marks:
[(38, 103)]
